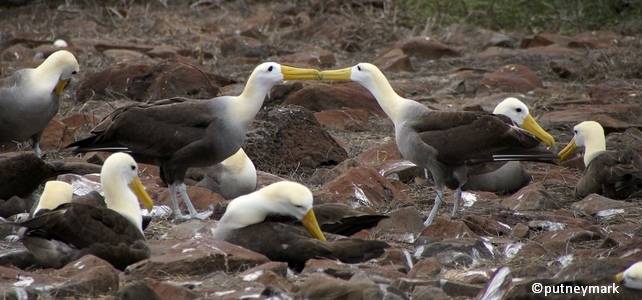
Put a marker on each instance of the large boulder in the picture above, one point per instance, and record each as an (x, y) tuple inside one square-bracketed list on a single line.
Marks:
[(284, 139)]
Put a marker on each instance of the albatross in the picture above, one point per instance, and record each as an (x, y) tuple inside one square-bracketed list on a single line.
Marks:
[(244, 223), (71, 230), (233, 177), (614, 174), (177, 134), (451, 145), (509, 176), (29, 98)]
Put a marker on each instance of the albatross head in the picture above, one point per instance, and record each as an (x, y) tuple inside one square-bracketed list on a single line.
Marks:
[(631, 277), (281, 198), (518, 112), (58, 67), (55, 194), (270, 73), (588, 134), (123, 188)]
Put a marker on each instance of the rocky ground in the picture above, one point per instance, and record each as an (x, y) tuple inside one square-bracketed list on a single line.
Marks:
[(334, 138)]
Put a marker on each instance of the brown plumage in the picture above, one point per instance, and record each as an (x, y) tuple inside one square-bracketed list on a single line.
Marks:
[(73, 230)]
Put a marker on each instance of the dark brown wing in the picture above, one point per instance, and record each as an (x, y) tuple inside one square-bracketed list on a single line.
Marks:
[(474, 137), (153, 130), (21, 174), (82, 226), (614, 174), (341, 219), (292, 244)]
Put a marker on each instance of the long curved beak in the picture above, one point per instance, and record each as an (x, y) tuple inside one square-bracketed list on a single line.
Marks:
[(292, 73), (533, 127), (568, 150), (310, 223), (60, 86), (139, 190), (340, 74)]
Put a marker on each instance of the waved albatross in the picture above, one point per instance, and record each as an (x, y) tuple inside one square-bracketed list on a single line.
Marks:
[(509, 176), (178, 133), (244, 224), (72, 230), (233, 177), (29, 98), (451, 145), (614, 174)]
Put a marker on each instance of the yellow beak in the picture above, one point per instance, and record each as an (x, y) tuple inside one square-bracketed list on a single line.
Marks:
[(340, 74), (139, 190), (531, 125), (310, 223), (619, 277), (568, 150), (291, 73), (60, 86)]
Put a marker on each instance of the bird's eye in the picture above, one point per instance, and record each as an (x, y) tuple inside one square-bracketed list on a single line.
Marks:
[(299, 206), (270, 68), (519, 109), (133, 167), (74, 72), (575, 131), (358, 67)]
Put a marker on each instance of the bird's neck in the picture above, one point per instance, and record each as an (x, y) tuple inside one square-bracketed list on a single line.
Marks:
[(593, 148), (238, 162), (250, 100), (45, 77), (391, 103), (121, 199)]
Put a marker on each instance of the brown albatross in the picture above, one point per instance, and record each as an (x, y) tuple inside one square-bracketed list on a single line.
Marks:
[(244, 224), (614, 174), (72, 230), (451, 145), (29, 98), (178, 133)]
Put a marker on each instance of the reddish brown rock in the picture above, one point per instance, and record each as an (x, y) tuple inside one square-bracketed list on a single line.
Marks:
[(401, 225), (513, 78), (484, 226), (154, 289), (89, 275), (594, 203), (198, 257), (360, 186), (147, 82), (443, 228), (595, 40), (531, 197), (613, 117), (18, 53), (284, 139), (343, 119), (567, 236), (520, 231), (311, 58), (53, 135), (457, 252), (545, 39), (125, 55), (609, 91), (394, 60), (425, 268), (202, 198), (380, 155), (425, 47), (277, 267), (334, 267), (553, 51), (320, 97)]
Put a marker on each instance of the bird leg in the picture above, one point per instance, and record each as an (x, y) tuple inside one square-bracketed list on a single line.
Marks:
[(182, 188), (175, 207), (435, 207), (457, 197), (35, 141)]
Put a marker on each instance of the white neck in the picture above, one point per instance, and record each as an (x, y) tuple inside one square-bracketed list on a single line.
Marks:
[(121, 199), (241, 212), (250, 100), (45, 77), (391, 103), (593, 146)]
